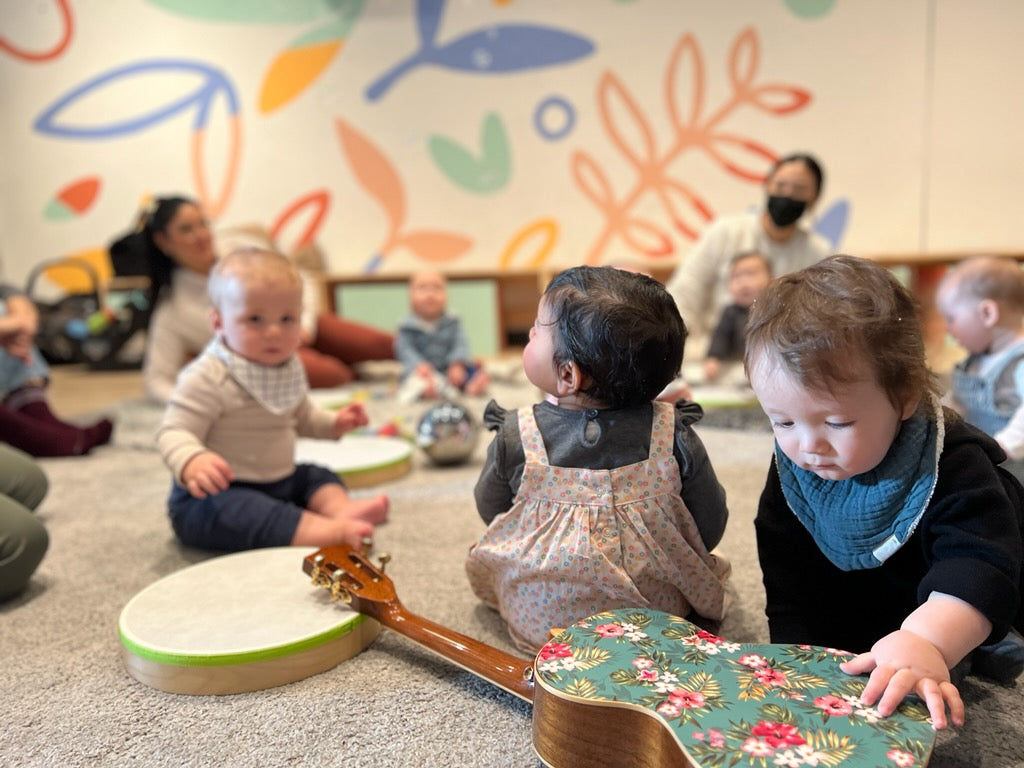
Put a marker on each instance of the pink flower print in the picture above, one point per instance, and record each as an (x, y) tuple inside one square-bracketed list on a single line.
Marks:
[(788, 759), (707, 637), (647, 675), (778, 734), (809, 755), (757, 748), (698, 735), (609, 630), (771, 677), (901, 758), (717, 739), (838, 652), (752, 660), (833, 706), (555, 651), (669, 710), (642, 662), (684, 699)]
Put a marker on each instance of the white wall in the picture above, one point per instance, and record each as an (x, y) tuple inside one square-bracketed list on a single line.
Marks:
[(914, 112)]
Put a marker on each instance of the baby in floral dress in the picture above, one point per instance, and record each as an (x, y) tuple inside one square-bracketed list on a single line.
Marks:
[(598, 497)]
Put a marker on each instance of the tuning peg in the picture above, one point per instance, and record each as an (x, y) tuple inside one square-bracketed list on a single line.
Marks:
[(384, 559)]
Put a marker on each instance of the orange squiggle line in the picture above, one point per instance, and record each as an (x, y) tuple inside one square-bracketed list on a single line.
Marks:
[(215, 207), (57, 50)]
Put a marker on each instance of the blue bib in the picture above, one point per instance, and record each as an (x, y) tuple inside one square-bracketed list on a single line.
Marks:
[(860, 522)]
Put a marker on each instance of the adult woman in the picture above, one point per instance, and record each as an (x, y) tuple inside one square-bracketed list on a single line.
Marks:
[(700, 283), (179, 251)]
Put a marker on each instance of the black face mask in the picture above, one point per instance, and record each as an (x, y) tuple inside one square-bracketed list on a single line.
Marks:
[(785, 210)]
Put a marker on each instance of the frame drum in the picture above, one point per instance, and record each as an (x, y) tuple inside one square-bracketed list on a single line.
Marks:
[(239, 622), (359, 460)]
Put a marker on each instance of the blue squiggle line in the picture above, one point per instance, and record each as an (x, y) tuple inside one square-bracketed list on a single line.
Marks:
[(489, 50), (215, 83)]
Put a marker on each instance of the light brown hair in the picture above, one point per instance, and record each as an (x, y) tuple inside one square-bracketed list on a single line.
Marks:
[(826, 323)]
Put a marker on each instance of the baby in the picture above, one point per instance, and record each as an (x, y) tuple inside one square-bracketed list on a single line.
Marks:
[(229, 431), (982, 302), (432, 346)]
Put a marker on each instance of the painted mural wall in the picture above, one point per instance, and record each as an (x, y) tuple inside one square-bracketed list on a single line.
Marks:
[(507, 134)]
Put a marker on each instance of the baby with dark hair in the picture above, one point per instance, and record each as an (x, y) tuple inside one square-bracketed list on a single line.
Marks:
[(598, 497)]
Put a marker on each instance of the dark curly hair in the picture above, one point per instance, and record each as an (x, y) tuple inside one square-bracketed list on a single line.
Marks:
[(621, 328)]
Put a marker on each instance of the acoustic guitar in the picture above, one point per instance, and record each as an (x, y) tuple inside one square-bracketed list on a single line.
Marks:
[(643, 689)]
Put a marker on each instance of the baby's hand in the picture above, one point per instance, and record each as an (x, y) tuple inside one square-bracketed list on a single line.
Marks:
[(901, 663), (350, 417), (206, 474), (711, 369)]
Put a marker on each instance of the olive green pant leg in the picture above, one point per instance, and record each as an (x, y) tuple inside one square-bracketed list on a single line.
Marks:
[(23, 538)]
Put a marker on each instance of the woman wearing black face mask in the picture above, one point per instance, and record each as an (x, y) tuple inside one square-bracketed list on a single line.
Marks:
[(700, 283)]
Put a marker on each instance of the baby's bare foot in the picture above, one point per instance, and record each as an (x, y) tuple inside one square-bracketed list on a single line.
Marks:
[(373, 510)]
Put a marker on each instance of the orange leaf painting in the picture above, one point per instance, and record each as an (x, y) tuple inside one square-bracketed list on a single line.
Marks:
[(67, 32), (434, 246), (591, 178), (742, 157), (744, 60), (625, 121), (318, 203), (647, 238), (685, 80), (780, 99), (543, 230), (628, 126), (375, 173), (74, 199)]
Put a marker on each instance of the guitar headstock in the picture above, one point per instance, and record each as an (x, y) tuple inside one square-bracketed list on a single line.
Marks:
[(351, 577)]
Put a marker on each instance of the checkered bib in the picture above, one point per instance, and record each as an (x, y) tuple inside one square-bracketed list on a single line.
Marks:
[(579, 541)]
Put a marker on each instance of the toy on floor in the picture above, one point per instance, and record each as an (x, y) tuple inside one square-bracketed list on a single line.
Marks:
[(447, 433), (638, 688)]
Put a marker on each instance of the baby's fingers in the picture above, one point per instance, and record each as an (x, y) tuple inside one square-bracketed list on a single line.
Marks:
[(859, 665), (939, 695)]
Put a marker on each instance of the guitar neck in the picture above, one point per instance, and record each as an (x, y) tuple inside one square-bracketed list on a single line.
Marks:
[(504, 670)]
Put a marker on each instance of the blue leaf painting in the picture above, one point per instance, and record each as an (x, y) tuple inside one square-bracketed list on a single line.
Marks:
[(489, 50), (212, 83), (832, 224)]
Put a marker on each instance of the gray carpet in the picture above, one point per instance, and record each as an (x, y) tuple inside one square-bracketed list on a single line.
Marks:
[(66, 699)]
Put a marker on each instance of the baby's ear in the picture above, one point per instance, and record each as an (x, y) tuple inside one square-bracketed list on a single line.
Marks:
[(570, 378), (215, 319), (988, 310)]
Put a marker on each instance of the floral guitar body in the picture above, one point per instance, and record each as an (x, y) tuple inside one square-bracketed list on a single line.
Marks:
[(641, 688)]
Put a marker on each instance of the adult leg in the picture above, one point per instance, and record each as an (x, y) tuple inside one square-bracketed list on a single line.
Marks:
[(23, 538), (352, 342), (324, 371)]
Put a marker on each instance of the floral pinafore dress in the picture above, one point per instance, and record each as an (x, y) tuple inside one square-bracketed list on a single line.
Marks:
[(580, 541)]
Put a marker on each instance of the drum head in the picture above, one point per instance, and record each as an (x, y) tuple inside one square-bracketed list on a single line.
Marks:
[(238, 622), (360, 460)]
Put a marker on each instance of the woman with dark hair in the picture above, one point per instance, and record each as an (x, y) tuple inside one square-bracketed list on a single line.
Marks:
[(700, 283), (176, 246)]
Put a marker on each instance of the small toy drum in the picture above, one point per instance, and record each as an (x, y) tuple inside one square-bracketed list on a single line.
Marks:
[(359, 460), (239, 622)]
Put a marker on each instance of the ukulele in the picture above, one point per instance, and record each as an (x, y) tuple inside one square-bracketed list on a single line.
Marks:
[(639, 688)]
